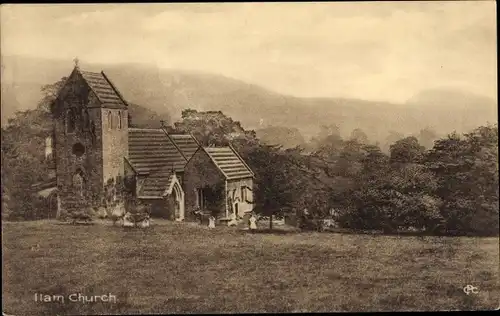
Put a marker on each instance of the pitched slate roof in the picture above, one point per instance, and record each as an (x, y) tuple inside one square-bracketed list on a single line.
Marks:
[(150, 150), (186, 143), (229, 162), (156, 184), (106, 92)]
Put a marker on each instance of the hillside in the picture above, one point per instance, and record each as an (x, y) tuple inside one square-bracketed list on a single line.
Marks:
[(457, 109), (167, 91)]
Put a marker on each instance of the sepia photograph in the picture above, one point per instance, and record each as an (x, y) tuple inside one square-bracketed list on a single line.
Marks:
[(264, 157)]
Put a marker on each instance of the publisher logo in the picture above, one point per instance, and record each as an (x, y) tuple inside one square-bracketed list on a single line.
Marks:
[(470, 289)]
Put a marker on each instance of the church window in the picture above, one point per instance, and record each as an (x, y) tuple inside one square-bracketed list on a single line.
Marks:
[(48, 148), (110, 122), (243, 193), (70, 121), (78, 182), (86, 120), (119, 120)]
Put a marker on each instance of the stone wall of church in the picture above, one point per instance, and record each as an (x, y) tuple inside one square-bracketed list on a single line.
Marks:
[(201, 172), (114, 142), (77, 144), (240, 195)]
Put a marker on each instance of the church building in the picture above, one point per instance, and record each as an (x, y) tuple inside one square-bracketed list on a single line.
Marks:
[(97, 156)]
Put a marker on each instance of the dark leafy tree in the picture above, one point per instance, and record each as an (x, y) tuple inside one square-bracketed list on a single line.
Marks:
[(391, 138), (467, 172), (23, 141), (406, 150), (211, 128)]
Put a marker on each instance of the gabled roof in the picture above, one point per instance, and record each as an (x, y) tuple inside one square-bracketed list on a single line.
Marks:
[(229, 162), (106, 92), (157, 183), (186, 143), (151, 149)]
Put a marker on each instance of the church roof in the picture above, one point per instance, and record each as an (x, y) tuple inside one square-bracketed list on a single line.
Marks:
[(151, 149), (156, 184), (186, 143), (105, 91), (229, 162)]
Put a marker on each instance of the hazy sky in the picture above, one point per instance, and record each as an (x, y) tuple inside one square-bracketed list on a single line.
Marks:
[(379, 51)]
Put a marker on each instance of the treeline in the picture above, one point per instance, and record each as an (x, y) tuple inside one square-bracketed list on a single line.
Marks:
[(290, 137), (450, 188)]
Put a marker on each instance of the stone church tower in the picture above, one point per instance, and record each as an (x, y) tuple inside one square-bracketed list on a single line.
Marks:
[(90, 139)]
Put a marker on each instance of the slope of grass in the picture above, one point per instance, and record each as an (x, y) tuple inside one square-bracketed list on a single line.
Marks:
[(183, 268)]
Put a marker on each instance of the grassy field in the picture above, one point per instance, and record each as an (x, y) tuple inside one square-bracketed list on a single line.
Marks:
[(184, 268)]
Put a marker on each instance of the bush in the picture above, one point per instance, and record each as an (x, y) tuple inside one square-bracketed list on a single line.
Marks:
[(137, 213)]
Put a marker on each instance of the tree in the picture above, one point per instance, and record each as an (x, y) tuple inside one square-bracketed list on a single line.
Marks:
[(414, 199), (391, 138), (329, 147), (23, 140), (467, 171), (406, 150), (274, 186), (427, 136), (325, 135), (358, 135), (349, 159), (368, 199), (212, 128)]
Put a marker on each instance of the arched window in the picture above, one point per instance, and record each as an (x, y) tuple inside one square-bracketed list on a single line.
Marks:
[(86, 119), (119, 120), (78, 182), (243, 193), (70, 121), (110, 121), (48, 148)]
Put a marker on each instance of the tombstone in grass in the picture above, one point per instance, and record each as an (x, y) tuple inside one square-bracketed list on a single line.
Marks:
[(127, 220), (211, 222), (116, 213), (137, 216), (146, 222), (253, 223), (198, 214), (232, 220), (101, 210)]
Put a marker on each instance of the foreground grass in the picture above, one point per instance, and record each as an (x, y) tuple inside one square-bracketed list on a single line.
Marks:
[(181, 268)]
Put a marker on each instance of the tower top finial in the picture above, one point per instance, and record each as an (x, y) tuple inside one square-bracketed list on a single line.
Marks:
[(76, 61)]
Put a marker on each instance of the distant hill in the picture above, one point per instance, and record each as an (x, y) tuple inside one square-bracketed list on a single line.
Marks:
[(165, 92), (453, 108)]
